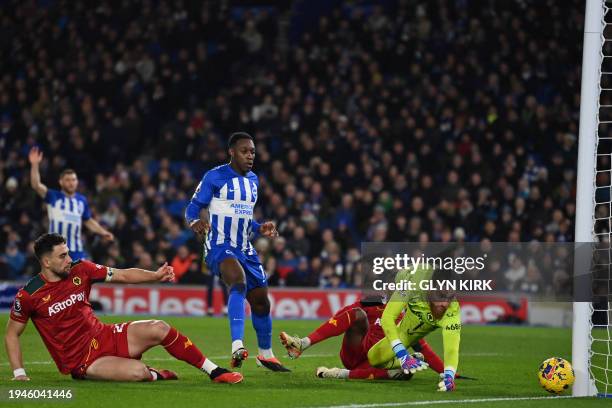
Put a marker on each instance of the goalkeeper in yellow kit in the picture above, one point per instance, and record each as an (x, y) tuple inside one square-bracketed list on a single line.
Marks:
[(423, 313)]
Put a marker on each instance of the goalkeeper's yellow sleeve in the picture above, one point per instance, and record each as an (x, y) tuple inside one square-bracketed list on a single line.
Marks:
[(394, 308), (399, 301), (392, 311), (381, 354), (451, 336)]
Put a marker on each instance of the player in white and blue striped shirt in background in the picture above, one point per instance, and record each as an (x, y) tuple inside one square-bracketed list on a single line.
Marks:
[(67, 210), (221, 213)]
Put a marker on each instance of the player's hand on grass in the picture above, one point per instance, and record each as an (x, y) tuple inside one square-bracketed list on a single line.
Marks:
[(409, 364), (200, 228), (268, 229), (35, 156), (448, 381), (165, 273), (414, 364)]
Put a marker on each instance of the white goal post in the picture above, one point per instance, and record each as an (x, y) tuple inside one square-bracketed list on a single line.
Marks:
[(586, 185)]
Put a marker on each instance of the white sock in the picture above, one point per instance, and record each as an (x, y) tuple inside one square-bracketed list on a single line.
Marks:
[(305, 343), (208, 366), (266, 353), (236, 345), (153, 375), (344, 373)]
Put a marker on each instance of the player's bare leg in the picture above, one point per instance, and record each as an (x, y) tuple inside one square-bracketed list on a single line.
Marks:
[(144, 334), (112, 368), (262, 323), (234, 278), (353, 323)]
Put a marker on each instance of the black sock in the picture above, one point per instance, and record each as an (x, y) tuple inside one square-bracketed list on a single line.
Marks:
[(217, 372), (158, 376)]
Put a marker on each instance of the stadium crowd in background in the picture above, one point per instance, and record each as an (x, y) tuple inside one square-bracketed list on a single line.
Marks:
[(373, 124)]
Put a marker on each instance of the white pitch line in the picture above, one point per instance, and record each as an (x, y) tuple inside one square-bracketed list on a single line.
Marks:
[(167, 359), (31, 363), (465, 401)]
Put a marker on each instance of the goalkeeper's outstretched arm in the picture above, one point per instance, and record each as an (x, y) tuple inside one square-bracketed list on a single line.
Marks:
[(393, 310), (395, 306), (451, 336), (383, 353)]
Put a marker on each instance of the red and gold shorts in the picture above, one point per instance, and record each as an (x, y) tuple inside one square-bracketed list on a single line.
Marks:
[(111, 341)]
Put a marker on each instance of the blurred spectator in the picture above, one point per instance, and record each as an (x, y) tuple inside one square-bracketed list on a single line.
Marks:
[(299, 244), (182, 262), (515, 272), (14, 259)]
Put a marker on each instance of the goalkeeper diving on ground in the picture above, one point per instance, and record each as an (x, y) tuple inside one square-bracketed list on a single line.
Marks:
[(377, 336)]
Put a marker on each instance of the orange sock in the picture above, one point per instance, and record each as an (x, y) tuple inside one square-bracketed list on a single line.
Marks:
[(181, 348), (338, 324)]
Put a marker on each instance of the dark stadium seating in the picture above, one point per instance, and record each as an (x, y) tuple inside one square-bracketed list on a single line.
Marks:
[(372, 122)]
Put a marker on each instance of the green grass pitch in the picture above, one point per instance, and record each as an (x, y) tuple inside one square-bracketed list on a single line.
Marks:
[(503, 358)]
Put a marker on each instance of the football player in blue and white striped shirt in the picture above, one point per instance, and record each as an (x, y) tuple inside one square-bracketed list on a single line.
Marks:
[(67, 209), (221, 212)]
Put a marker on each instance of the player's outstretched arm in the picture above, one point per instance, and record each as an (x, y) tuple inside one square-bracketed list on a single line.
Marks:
[(394, 308), (451, 338), (36, 158), (165, 273), (95, 227), (409, 364), (13, 349)]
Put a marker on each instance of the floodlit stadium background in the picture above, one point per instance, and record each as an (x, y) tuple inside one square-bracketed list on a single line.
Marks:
[(374, 121)]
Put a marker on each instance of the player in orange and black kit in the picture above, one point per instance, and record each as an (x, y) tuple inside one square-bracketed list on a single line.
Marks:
[(360, 324), (56, 300)]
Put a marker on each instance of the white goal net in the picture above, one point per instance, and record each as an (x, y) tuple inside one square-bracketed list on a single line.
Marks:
[(601, 332)]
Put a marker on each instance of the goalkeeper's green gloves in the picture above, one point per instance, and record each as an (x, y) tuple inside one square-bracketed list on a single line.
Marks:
[(448, 380), (409, 364)]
